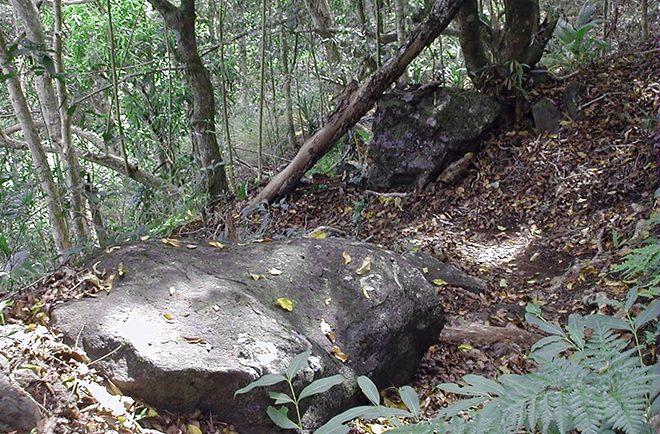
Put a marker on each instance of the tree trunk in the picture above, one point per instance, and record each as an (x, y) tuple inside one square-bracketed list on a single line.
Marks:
[(55, 107), (202, 120), (358, 100), (73, 170), (38, 154), (323, 22), (29, 16), (470, 38), (522, 24), (645, 20), (286, 79)]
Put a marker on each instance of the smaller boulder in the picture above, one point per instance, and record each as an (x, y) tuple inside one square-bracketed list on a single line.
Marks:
[(546, 116), (418, 133), (571, 99), (18, 411)]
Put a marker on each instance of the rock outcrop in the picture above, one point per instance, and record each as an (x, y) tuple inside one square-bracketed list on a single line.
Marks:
[(419, 133), (18, 411), (185, 328)]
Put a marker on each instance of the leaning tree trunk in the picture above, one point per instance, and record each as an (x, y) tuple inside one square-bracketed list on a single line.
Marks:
[(358, 100), (202, 119), (53, 107), (27, 12), (38, 154)]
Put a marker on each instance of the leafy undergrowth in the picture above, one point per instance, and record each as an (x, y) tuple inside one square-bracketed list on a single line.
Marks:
[(538, 218)]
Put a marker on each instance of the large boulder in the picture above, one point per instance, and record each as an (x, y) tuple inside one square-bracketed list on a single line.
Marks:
[(19, 412), (184, 328), (419, 133)]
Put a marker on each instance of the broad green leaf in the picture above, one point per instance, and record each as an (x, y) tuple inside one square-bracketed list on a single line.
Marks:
[(280, 418), (575, 329), (280, 398), (4, 246), (410, 399), (544, 325), (320, 386), (545, 341), (489, 386), (297, 363), (651, 312), (631, 298), (606, 321), (550, 351), (369, 389), (350, 414), (462, 405), (266, 380)]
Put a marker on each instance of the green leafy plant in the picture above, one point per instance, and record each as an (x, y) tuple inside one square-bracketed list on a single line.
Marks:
[(336, 425), (4, 304), (279, 415), (591, 379), (575, 38), (642, 264)]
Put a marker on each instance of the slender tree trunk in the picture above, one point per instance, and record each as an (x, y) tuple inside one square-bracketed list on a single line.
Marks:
[(323, 22), (358, 100), (73, 171), (262, 89), (29, 16), (202, 120), (400, 14), (223, 89), (645, 20), (115, 85), (38, 154), (286, 78), (53, 101), (379, 31)]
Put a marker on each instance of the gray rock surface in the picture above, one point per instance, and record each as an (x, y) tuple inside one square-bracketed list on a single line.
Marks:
[(419, 133), (18, 412), (546, 116), (225, 329), (450, 274)]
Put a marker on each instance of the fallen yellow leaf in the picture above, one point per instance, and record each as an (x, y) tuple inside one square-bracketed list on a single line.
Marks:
[(365, 292), (167, 316), (194, 429), (339, 354), (439, 282), (347, 258), (216, 244), (425, 270), (365, 267), (171, 242), (465, 347), (318, 234), (121, 270), (285, 303)]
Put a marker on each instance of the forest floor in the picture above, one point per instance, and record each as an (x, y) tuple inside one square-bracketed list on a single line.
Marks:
[(538, 218)]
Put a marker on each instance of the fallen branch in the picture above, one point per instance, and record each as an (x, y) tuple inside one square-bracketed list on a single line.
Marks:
[(358, 100)]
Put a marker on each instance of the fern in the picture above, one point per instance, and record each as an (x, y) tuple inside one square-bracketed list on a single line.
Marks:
[(601, 385)]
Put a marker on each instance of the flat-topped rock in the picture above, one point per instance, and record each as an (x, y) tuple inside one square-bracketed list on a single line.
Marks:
[(185, 328)]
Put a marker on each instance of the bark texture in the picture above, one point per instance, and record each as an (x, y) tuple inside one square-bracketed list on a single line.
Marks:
[(359, 99), (56, 212), (488, 50), (202, 119)]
